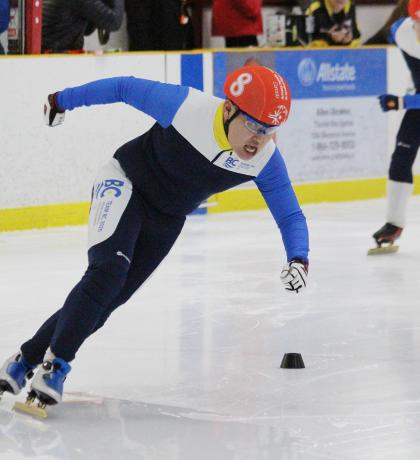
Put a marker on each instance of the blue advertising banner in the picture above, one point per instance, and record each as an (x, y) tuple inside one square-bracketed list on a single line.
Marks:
[(336, 128), (334, 73), (192, 70), (315, 73)]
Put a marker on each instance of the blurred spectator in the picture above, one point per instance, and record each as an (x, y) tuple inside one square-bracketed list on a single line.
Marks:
[(156, 24), (4, 18), (239, 21), (381, 36), (334, 23), (66, 22)]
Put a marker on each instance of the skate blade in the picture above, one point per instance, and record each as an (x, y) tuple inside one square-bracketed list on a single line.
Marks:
[(30, 409), (383, 250)]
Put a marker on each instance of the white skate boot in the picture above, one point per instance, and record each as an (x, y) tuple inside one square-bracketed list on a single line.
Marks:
[(14, 374), (47, 386)]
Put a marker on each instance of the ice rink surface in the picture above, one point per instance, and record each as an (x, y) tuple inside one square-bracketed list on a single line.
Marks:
[(189, 368)]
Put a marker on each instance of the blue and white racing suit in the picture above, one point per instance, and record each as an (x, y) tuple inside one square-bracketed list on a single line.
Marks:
[(140, 199)]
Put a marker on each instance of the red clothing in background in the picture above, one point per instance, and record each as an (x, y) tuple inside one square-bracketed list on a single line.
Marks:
[(234, 18)]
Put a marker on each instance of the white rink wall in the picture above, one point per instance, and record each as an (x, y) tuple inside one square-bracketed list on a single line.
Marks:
[(42, 166)]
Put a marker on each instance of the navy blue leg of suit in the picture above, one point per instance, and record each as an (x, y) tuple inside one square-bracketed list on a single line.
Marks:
[(408, 142), (145, 237)]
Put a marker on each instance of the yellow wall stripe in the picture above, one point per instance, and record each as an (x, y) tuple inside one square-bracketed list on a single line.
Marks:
[(363, 189), (58, 215), (52, 215)]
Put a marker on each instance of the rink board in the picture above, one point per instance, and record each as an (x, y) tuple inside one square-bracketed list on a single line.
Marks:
[(239, 199), (341, 153)]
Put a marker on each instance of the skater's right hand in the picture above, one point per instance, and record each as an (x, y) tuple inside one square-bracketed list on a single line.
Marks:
[(53, 115), (390, 102)]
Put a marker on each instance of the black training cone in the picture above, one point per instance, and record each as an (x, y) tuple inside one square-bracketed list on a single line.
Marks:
[(292, 361)]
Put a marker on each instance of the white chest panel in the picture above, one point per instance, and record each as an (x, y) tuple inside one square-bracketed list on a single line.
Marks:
[(406, 38), (195, 122)]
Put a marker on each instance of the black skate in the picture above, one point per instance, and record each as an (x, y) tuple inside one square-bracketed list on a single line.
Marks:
[(385, 238)]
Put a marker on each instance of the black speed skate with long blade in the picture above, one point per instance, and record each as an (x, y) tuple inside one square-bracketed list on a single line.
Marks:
[(385, 238)]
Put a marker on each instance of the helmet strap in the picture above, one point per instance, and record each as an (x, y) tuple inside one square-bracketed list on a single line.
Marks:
[(227, 123)]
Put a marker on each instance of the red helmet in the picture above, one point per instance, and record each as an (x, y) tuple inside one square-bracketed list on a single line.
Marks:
[(259, 92), (414, 9)]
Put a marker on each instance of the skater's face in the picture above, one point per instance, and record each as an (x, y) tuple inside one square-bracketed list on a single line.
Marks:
[(245, 142)]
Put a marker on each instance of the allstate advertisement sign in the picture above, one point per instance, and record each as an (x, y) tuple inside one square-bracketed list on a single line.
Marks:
[(334, 73), (315, 74), (307, 71), (336, 128), (338, 76)]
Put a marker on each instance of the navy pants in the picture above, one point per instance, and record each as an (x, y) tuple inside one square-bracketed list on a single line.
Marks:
[(139, 239), (408, 142)]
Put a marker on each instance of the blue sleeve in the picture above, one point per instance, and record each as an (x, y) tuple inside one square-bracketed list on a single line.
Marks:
[(274, 184), (412, 102), (4, 15), (393, 30), (159, 100)]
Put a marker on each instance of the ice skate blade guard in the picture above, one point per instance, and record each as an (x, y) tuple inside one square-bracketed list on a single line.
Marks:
[(390, 249), (31, 409)]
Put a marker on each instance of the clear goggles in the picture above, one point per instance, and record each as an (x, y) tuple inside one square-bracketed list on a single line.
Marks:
[(257, 127)]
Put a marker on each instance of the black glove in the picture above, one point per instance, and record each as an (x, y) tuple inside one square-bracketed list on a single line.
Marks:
[(391, 102), (53, 115)]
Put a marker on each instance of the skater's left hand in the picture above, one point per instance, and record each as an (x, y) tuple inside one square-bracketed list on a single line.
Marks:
[(391, 102), (294, 275)]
